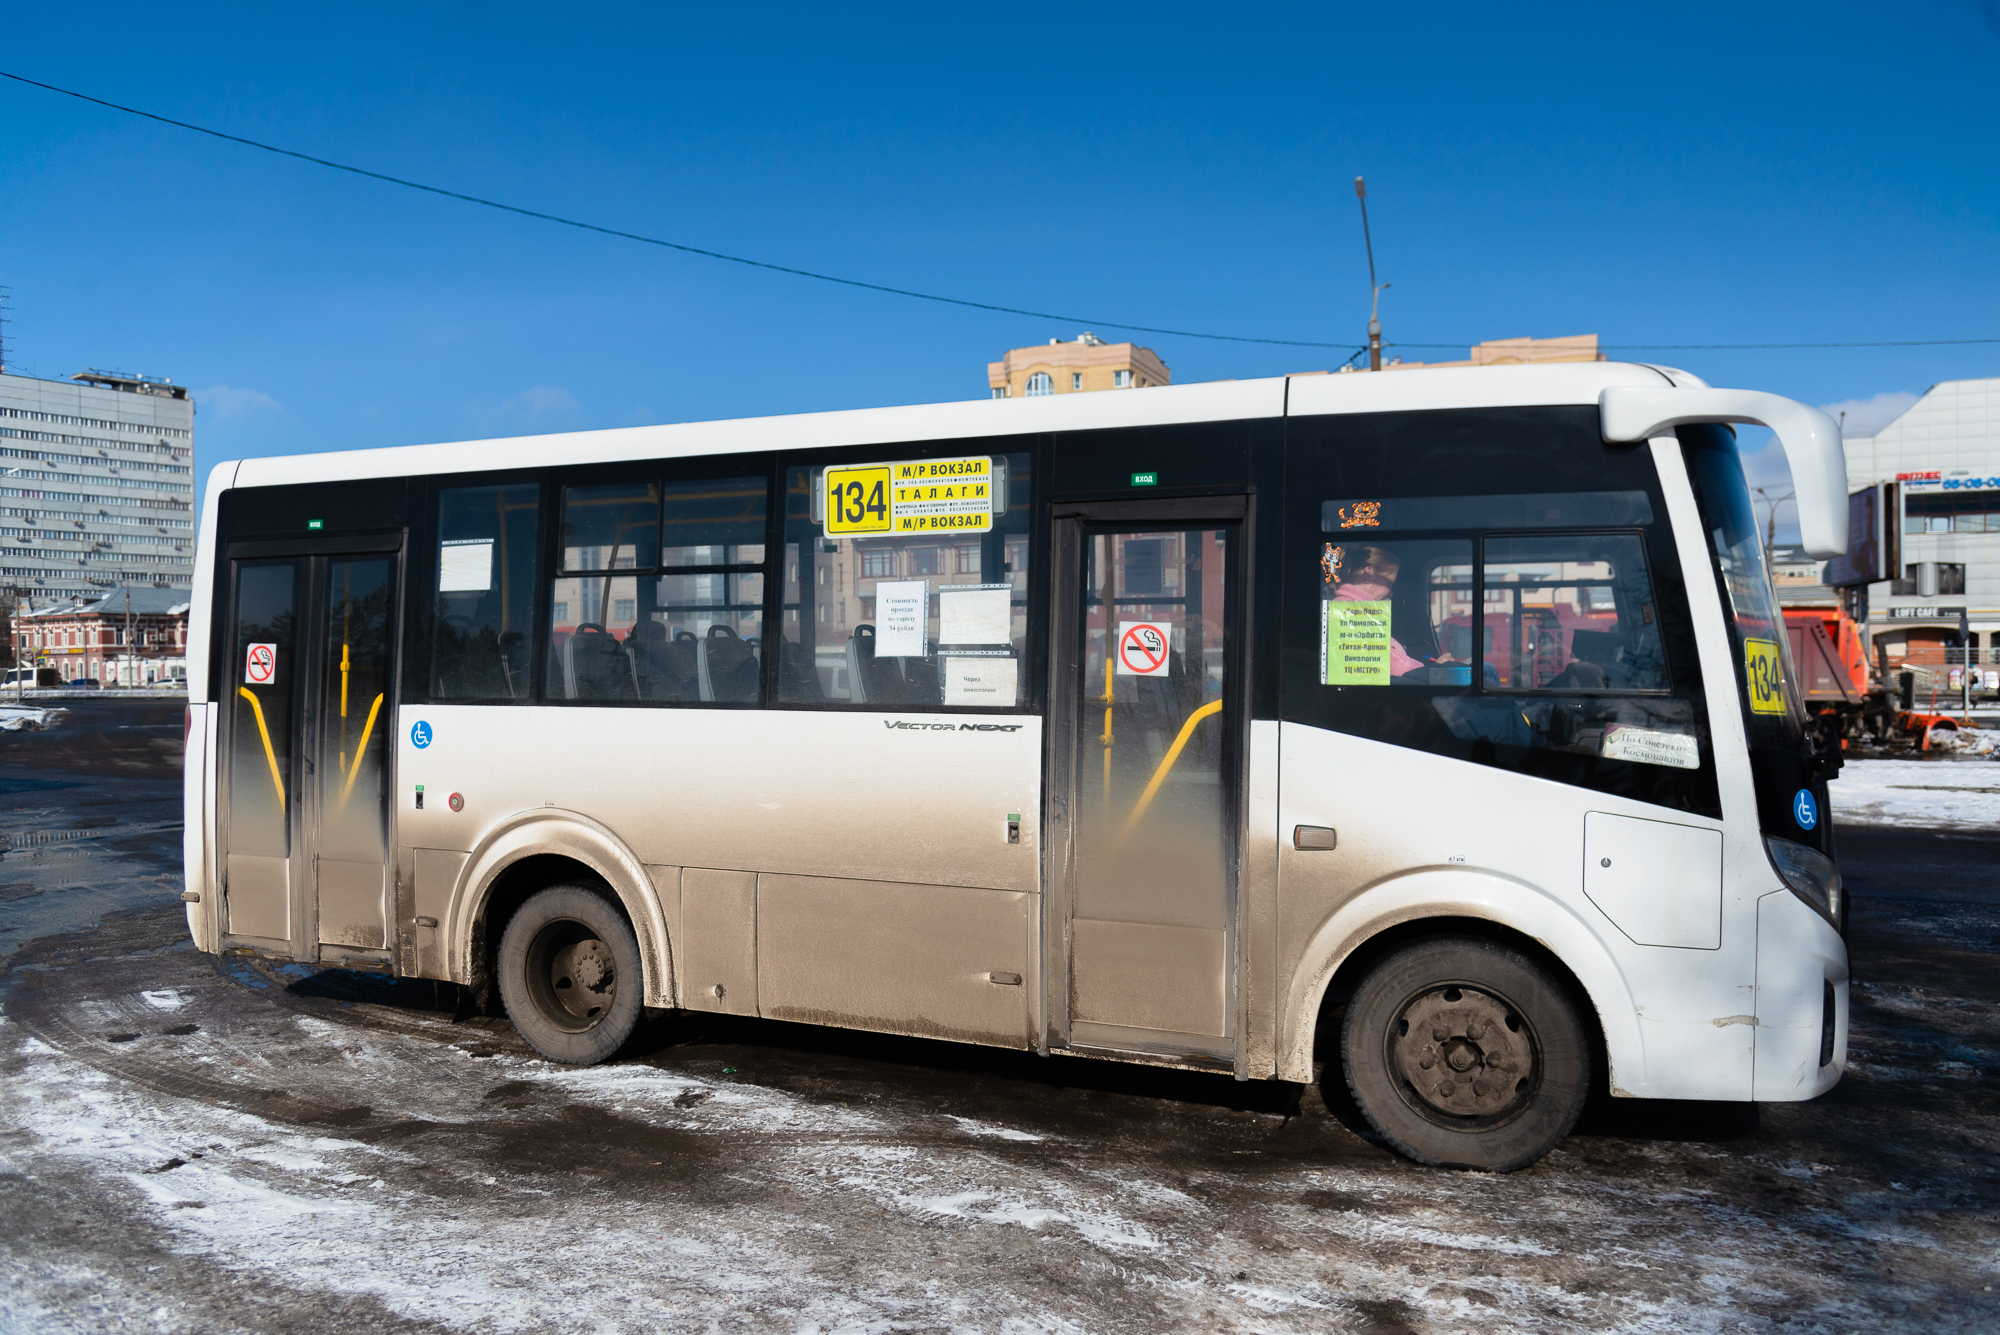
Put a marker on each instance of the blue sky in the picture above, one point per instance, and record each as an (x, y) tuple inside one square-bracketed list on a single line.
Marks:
[(1703, 174)]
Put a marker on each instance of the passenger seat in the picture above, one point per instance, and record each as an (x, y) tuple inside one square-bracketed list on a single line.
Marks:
[(726, 666)]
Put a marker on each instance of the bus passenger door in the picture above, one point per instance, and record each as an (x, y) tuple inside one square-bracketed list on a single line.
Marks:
[(1146, 822), (310, 681)]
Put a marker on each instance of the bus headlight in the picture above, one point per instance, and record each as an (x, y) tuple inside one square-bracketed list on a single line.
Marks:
[(1810, 874)]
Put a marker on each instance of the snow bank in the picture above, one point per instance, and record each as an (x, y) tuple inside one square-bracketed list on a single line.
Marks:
[(1968, 741), (1930, 794), (19, 718)]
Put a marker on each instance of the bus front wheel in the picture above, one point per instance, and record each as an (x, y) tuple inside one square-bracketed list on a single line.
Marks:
[(1466, 1054), (570, 975)]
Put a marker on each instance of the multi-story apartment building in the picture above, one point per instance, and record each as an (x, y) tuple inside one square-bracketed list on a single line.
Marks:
[(1086, 363), (96, 485)]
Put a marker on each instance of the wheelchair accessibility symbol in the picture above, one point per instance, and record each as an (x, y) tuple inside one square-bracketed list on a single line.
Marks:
[(420, 735), (1804, 810)]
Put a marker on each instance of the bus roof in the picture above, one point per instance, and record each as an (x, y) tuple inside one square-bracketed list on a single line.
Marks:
[(1215, 401)]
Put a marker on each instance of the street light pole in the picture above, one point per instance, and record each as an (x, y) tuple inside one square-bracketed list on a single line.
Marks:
[(1965, 673), (1771, 526), (1374, 288)]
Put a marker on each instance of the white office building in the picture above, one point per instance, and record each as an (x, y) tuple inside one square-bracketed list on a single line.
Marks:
[(1943, 454), (96, 485)]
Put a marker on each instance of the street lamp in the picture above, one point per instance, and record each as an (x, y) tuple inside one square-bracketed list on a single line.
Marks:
[(1771, 513), (1374, 288), (1771, 528)]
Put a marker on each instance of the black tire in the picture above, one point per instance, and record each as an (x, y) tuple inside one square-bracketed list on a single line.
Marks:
[(570, 975), (1485, 1023)]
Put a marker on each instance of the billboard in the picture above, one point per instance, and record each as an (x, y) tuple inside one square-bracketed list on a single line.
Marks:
[(1871, 539)]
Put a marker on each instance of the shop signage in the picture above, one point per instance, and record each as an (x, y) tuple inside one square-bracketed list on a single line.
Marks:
[(1918, 484)]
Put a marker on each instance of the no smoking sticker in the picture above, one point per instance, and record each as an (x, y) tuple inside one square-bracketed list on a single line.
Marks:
[(260, 664), (1144, 648)]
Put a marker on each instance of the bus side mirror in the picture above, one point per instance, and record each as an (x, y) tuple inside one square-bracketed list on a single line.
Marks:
[(1810, 438)]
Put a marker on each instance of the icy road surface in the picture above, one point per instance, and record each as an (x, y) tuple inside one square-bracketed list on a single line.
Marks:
[(193, 1147)]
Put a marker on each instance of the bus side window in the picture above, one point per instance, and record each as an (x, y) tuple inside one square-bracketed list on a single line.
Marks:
[(610, 543), (661, 596), (486, 561), (1396, 612), (1571, 612), (707, 606), (961, 599)]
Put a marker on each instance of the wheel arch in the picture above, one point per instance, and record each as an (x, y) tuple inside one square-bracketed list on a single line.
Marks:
[(548, 846), (1480, 904)]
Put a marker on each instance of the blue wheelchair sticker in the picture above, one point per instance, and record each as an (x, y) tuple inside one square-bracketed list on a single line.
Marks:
[(1804, 810), (420, 736)]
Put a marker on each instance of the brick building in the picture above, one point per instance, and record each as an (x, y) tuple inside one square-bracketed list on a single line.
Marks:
[(127, 637), (1087, 363)]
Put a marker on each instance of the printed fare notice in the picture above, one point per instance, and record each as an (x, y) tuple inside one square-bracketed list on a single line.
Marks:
[(1357, 643), (932, 495)]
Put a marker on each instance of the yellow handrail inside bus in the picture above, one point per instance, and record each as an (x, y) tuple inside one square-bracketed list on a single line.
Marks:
[(1107, 738), (1166, 763), (264, 732), (361, 751)]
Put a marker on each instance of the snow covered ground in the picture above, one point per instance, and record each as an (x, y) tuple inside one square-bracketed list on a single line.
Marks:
[(193, 1147), (1926, 794)]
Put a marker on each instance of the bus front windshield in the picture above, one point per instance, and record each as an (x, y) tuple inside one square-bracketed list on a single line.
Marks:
[(1757, 627)]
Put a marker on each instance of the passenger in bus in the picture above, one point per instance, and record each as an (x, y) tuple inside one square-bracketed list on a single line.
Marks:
[(1368, 575), (1593, 654)]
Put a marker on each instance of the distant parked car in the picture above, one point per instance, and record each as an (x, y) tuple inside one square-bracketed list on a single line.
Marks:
[(83, 683)]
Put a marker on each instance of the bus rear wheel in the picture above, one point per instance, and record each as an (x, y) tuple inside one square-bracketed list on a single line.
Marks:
[(1466, 1054), (570, 975)]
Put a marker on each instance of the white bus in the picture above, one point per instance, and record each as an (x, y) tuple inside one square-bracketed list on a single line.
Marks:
[(1436, 726)]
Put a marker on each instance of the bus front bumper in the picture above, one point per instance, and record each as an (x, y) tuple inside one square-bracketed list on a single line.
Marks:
[(1802, 1002)]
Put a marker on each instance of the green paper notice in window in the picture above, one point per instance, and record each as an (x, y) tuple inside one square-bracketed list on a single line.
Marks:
[(1355, 640)]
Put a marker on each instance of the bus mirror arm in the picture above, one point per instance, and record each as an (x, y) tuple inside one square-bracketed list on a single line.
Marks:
[(1810, 438)]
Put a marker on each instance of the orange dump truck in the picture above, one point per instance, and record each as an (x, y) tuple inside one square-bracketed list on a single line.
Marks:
[(1840, 693)]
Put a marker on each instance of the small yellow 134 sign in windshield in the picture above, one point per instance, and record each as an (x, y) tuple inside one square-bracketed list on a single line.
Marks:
[(1764, 671)]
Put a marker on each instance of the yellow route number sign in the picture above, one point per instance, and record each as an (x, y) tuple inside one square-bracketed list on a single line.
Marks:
[(1764, 671), (918, 496), (857, 500)]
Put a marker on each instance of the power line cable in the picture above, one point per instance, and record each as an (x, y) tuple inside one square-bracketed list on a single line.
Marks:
[(903, 291), (653, 240), (1713, 347)]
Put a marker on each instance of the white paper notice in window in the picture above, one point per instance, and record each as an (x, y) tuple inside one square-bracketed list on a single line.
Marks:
[(465, 565), (902, 614), (978, 614), (1650, 746), (976, 680)]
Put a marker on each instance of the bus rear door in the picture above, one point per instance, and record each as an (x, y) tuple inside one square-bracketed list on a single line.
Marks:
[(310, 684)]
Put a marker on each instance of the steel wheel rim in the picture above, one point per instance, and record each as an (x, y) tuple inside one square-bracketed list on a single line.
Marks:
[(572, 976), (1464, 1056)]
